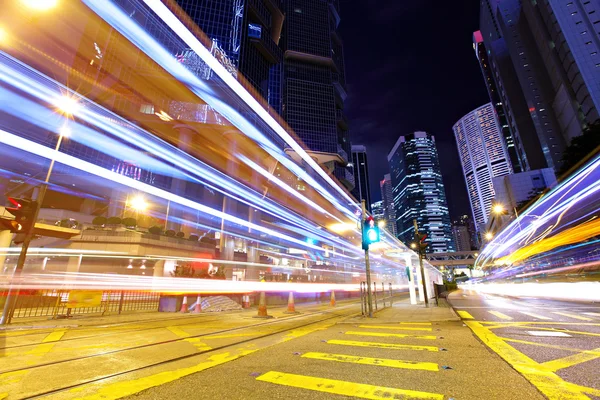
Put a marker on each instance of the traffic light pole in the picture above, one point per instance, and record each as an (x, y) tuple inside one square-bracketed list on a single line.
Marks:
[(367, 264), (422, 269)]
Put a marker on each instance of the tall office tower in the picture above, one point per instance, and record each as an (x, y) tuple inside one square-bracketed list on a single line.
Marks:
[(245, 37), (387, 197), (418, 191), (314, 87), (504, 75), (490, 84), (462, 238), (377, 211), (362, 188), (483, 156)]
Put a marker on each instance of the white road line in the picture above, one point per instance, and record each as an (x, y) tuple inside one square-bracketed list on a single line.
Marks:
[(535, 315), (564, 314), (548, 333)]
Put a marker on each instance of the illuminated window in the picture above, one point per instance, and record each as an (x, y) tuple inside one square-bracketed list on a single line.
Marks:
[(147, 109)]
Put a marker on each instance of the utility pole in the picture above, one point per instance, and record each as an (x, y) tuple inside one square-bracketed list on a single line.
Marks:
[(367, 264), (421, 246)]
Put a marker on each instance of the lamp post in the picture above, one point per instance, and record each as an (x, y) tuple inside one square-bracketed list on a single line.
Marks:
[(67, 105)]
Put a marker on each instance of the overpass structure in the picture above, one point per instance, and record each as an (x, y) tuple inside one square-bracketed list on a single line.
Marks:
[(454, 259)]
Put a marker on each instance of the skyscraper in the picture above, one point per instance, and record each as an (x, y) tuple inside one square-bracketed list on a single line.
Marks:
[(483, 156), (247, 33), (490, 84), (314, 87), (387, 197), (360, 166), (462, 238), (418, 191), (377, 211)]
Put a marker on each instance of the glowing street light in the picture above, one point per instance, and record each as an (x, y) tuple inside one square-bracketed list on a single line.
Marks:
[(498, 209), (3, 35), (381, 224), (489, 235), (67, 105), (41, 5), (413, 245), (138, 203)]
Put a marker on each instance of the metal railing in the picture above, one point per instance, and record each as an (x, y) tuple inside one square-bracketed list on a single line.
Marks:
[(54, 303), (385, 295)]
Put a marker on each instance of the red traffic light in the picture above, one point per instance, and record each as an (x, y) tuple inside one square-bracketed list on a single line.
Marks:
[(16, 205), (423, 237)]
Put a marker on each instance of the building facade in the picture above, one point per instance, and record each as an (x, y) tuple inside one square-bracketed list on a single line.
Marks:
[(314, 87), (360, 167), (418, 191), (483, 156), (377, 211), (515, 190), (387, 198), (462, 238)]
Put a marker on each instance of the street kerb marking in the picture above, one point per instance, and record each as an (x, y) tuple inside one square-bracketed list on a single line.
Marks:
[(54, 337), (380, 362), (501, 316), (564, 314), (344, 388), (385, 334), (550, 384), (178, 331), (535, 315), (571, 360), (464, 315), (395, 327), (382, 345)]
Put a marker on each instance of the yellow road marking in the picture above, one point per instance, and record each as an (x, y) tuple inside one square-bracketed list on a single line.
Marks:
[(550, 384), (383, 362), (12, 377), (464, 315), (53, 337), (344, 388), (385, 334), (571, 360), (41, 349), (535, 315), (201, 346), (564, 314), (231, 335), (525, 323), (416, 323), (551, 346), (403, 328), (500, 315), (567, 331), (178, 331), (382, 345)]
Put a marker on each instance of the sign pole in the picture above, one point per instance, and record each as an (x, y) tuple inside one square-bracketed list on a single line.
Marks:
[(421, 250), (367, 264)]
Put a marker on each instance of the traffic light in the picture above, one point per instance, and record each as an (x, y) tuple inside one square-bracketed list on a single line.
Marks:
[(420, 240), (23, 211), (370, 233)]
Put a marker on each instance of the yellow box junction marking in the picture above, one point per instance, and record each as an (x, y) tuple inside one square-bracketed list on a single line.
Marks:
[(551, 346), (344, 388), (500, 315), (382, 345), (550, 384), (571, 360), (178, 331), (382, 362), (535, 315), (385, 334), (54, 337), (564, 314), (464, 315), (402, 328)]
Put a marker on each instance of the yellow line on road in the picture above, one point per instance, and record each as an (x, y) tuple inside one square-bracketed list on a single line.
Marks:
[(567, 331), (344, 388), (464, 315), (231, 335), (500, 315), (551, 346), (402, 328), (385, 334), (535, 315), (564, 314), (382, 345), (382, 362), (178, 331), (416, 323), (550, 384), (571, 360), (53, 337)]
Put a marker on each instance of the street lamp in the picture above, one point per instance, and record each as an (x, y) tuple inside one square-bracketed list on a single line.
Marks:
[(381, 224), (498, 209), (41, 5), (413, 245), (138, 203), (489, 235)]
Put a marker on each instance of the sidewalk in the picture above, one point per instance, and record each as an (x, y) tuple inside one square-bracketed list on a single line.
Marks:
[(403, 311)]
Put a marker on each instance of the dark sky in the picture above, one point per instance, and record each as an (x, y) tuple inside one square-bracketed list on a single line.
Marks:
[(410, 66)]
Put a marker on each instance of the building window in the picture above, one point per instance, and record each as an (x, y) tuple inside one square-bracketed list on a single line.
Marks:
[(147, 109)]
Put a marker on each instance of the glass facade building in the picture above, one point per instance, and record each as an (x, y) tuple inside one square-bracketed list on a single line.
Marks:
[(387, 197), (418, 192), (377, 211), (360, 166), (483, 156), (314, 87)]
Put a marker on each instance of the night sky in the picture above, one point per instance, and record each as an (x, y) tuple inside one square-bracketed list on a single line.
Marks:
[(410, 66)]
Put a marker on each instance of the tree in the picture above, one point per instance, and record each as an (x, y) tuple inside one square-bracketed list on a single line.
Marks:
[(99, 221), (155, 230), (170, 233), (180, 235), (113, 221), (193, 238), (587, 144), (129, 222)]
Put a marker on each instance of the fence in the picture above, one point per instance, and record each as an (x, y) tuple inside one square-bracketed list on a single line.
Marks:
[(54, 303), (376, 295)]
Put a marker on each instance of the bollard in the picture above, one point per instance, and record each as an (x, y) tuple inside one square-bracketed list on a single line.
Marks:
[(246, 301), (291, 309), (198, 307), (332, 301), (184, 306), (262, 307)]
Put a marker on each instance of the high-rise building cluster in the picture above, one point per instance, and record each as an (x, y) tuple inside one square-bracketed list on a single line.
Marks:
[(540, 63)]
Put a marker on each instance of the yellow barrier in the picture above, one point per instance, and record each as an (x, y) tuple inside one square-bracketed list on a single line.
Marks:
[(84, 298)]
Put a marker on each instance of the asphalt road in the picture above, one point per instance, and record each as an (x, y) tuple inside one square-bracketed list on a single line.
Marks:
[(554, 344)]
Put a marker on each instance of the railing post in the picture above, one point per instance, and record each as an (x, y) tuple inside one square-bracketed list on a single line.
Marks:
[(121, 301), (362, 306), (383, 293), (375, 293), (391, 295)]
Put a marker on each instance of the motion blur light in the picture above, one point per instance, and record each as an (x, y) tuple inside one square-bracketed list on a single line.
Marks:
[(41, 5), (381, 224), (489, 235), (138, 203), (65, 131), (68, 105), (413, 245)]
